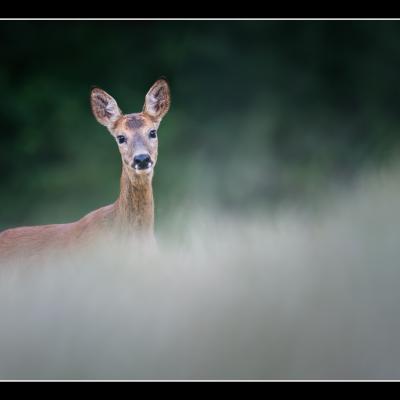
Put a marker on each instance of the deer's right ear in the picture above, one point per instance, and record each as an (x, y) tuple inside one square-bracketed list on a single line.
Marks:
[(104, 107)]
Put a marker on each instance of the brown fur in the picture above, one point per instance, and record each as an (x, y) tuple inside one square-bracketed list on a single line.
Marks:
[(132, 214), (134, 122)]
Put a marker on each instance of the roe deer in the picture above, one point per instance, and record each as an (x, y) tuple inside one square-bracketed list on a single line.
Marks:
[(133, 212)]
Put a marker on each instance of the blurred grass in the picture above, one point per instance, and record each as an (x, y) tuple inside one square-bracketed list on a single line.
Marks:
[(281, 295)]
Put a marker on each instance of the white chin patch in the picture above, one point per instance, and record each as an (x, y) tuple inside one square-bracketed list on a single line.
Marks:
[(145, 170)]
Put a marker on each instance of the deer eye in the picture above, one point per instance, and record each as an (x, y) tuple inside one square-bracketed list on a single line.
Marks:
[(121, 139), (153, 134)]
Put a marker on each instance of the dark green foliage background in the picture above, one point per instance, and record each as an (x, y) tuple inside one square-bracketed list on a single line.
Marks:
[(263, 112)]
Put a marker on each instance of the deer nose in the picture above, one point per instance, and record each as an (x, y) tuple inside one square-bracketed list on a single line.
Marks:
[(141, 161)]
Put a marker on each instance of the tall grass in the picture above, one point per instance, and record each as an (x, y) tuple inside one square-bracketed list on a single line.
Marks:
[(280, 295)]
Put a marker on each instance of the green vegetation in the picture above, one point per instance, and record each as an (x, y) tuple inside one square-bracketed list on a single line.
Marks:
[(263, 113)]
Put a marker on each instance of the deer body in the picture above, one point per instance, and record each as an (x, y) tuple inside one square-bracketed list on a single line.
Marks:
[(132, 214)]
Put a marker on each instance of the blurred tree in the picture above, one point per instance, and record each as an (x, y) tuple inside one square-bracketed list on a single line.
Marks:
[(263, 112)]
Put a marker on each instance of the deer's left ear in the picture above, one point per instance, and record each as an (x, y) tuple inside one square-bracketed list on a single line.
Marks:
[(157, 100)]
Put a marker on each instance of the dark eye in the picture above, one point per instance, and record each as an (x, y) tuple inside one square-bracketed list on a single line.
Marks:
[(153, 134), (121, 139)]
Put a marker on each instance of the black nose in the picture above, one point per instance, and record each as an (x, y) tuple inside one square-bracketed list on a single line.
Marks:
[(141, 161)]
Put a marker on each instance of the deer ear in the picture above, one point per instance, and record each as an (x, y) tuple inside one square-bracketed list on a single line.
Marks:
[(157, 100), (104, 107)]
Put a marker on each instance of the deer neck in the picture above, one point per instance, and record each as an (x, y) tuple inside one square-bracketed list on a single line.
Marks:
[(135, 205)]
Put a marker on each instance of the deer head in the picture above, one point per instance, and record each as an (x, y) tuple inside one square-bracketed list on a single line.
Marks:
[(135, 134)]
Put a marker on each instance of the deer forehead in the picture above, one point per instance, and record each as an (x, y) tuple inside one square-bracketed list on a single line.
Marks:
[(132, 123)]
